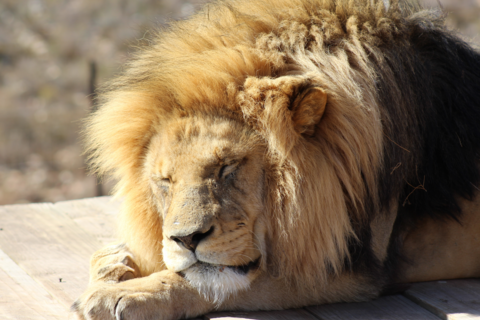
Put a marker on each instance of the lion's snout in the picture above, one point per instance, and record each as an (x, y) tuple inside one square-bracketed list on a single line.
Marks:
[(191, 240), (191, 217)]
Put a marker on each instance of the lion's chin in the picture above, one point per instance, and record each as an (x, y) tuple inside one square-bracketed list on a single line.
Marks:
[(216, 282)]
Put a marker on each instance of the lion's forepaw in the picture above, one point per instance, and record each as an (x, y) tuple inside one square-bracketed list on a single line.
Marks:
[(113, 264), (137, 306), (160, 296), (107, 302)]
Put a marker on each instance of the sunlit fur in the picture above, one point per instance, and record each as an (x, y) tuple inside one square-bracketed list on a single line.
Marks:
[(192, 71), (244, 60)]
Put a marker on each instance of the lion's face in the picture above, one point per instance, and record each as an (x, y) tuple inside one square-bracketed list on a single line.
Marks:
[(207, 178)]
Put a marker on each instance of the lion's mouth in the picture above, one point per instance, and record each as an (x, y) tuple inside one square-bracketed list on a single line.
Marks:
[(245, 269), (241, 270)]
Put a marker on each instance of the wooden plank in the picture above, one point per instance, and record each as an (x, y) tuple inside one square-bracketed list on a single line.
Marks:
[(452, 299), (292, 314), (390, 307), (97, 216), (49, 246), (23, 298)]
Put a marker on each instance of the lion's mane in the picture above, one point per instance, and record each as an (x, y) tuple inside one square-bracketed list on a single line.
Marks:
[(395, 80)]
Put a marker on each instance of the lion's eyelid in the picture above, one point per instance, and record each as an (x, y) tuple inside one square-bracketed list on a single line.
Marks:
[(227, 170), (157, 178)]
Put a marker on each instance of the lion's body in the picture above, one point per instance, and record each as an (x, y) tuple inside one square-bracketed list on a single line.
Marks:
[(439, 249), (277, 154)]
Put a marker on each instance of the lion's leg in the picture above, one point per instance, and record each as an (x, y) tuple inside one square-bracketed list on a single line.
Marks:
[(166, 295), (113, 264)]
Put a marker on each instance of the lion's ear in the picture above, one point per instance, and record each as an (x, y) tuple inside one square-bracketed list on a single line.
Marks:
[(282, 109), (308, 108)]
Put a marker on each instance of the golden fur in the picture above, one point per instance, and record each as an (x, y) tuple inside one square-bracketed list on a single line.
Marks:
[(237, 60), (292, 84)]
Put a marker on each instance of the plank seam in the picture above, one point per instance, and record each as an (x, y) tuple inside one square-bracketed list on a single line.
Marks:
[(313, 314), (439, 313)]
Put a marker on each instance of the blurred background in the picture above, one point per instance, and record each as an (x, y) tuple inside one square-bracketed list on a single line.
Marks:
[(47, 48)]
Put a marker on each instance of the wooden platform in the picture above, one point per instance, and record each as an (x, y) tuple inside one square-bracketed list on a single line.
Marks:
[(45, 250)]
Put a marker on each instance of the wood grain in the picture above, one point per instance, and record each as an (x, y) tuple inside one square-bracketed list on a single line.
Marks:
[(49, 246), (391, 307), (23, 298), (97, 216), (292, 314), (452, 299)]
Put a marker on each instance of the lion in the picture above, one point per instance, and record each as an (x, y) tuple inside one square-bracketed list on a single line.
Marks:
[(276, 154)]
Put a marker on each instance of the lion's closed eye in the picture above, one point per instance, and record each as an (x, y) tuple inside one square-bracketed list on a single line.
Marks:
[(227, 171), (162, 183)]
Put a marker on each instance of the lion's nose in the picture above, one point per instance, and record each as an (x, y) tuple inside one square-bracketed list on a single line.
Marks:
[(192, 240)]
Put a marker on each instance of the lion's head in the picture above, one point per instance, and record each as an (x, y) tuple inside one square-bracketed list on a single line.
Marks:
[(253, 138), (207, 177)]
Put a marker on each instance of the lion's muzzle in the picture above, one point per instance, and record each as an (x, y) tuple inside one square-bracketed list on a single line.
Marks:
[(192, 240)]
